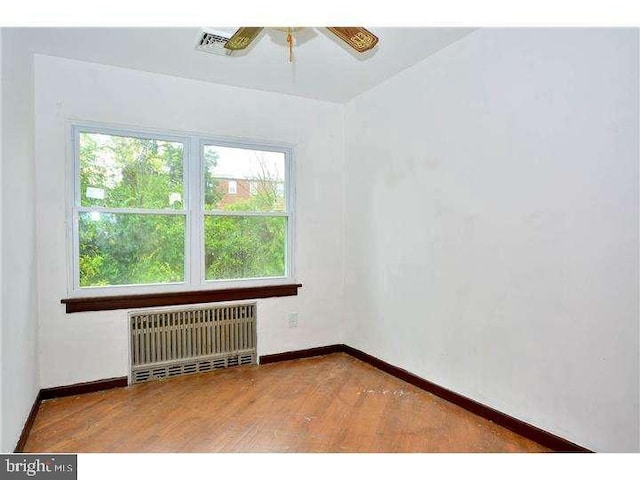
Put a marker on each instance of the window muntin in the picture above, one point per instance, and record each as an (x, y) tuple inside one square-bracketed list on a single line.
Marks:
[(133, 229)]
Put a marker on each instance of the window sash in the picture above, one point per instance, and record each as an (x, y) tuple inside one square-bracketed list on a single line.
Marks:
[(287, 248), (141, 227)]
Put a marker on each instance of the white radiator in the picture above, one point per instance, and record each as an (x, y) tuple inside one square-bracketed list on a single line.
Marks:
[(177, 342)]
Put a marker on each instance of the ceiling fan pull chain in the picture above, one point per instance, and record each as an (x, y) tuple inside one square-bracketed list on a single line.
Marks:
[(290, 42)]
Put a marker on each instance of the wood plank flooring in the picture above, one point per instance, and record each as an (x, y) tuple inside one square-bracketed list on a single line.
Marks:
[(333, 403)]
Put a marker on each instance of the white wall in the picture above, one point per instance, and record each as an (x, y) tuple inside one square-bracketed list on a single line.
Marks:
[(492, 226), (88, 346), (19, 322)]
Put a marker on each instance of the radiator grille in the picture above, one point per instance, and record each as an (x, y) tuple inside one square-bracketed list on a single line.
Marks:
[(171, 343)]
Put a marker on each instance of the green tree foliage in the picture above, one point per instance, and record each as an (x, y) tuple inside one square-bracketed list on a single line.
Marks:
[(133, 172), (118, 248), (128, 249), (245, 246)]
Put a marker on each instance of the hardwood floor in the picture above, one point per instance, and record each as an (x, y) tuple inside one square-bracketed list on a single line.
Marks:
[(333, 403)]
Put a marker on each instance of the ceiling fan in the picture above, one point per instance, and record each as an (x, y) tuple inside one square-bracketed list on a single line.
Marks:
[(358, 38)]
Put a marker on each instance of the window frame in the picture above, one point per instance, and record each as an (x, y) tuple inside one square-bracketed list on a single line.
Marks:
[(193, 211)]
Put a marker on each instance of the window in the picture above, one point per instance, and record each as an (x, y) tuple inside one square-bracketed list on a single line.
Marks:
[(151, 212)]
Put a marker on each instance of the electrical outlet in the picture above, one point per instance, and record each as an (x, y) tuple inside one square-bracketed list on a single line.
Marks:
[(293, 320)]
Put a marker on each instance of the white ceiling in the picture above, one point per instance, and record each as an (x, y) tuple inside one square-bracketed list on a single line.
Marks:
[(323, 69)]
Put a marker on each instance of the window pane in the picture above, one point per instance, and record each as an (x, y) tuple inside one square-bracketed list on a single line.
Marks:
[(129, 172), (126, 249), (244, 247), (243, 180)]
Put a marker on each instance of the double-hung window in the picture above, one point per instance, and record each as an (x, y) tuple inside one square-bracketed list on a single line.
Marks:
[(157, 212)]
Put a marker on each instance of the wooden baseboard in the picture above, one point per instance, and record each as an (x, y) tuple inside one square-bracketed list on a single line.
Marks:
[(29, 423), (84, 387), (296, 354), (65, 391), (524, 429)]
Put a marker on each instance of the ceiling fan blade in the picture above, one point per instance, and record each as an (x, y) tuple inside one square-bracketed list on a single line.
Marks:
[(242, 38), (358, 38)]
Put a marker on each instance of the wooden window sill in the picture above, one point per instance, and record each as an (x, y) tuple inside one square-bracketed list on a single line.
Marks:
[(92, 304)]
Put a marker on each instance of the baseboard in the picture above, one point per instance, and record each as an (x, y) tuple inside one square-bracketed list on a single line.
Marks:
[(84, 387), (64, 391), (520, 427), (296, 354), (26, 430)]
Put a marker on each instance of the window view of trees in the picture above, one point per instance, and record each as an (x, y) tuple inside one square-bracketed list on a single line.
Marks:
[(242, 246), (125, 241), (132, 218)]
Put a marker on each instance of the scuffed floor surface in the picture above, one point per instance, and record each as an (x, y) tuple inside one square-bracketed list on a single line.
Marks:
[(333, 403)]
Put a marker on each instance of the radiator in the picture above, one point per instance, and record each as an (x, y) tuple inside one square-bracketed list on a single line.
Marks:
[(170, 343)]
